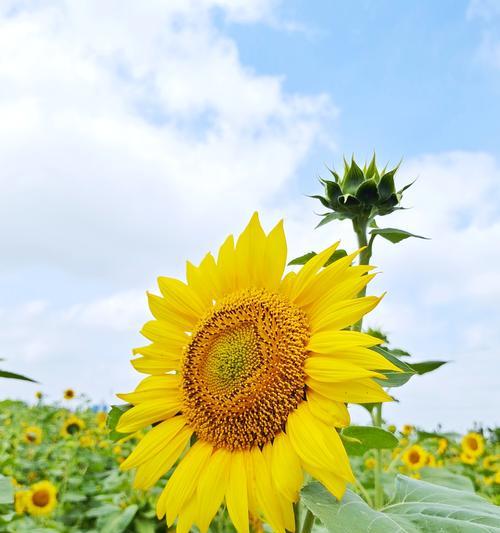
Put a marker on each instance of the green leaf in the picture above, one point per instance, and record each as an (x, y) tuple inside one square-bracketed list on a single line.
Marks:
[(398, 352), (367, 192), (360, 439), (353, 178), (113, 418), (144, 526), (394, 235), (13, 375), (6, 490), (329, 217), (445, 478), (303, 259), (427, 366), (119, 522), (416, 507), (394, 379)]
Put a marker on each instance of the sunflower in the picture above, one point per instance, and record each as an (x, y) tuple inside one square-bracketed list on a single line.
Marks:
[(467, 458), (431, 460), (32, 435), (87, 441), (370, 463), (41, 499), (415, 457), (38, 395), (473, 444), (491, 462), (71, 426), (100, 419), (407, 430), (442, 446), (20, 500), (69, 394), (254, 369)]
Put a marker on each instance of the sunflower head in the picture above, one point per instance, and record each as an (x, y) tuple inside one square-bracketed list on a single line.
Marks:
[(32, 435), (473, 444), (69, 394), (41, 499), (407, 430), (38, 395), (370, 463), (255, 368), (20, 501), (468, 458), (415, 457), (72, 426), (492, 462)]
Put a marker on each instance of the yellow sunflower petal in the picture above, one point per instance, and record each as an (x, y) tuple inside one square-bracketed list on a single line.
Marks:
[(161, 332), (331, 370), (358, 391), (154, 442), (212, 487), (275, 259), (329, 341), (236, 493), (341, 314), (149, 472), (163, 310), (316, 443), (147, 413), (182, 484), (266, 497), (147, 365), (335, 484), (250, 254), (181, 296), (329, 411), (285, 467), (169, 381), (187, 516), (203, 280), (360, 356)]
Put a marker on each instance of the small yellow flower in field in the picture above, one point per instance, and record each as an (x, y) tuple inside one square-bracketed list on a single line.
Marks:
[(72, 425), (392, 428), (442, 446), (370, 463), (104, 444), (473, 444), (101, 418), (69, 394), (407, 430), (32, 435), (20, 501), (117, 450), (41, 499), (488, 480), (491, 462), (403, 442), (38, 395), (496, 479), (239, 333), (431, 460), (86, 441), (415, 457), (468, 459)]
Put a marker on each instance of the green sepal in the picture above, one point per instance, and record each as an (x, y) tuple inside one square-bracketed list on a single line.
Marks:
[(425, 367), (329, 217), (353, 178), (367, 192), (322, 199), (386, 185)]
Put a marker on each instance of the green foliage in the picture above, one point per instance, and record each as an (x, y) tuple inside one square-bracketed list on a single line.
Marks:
[(417, 506), (6, 490), (303, 259), (394, 235), (359, 439), (113, 418)]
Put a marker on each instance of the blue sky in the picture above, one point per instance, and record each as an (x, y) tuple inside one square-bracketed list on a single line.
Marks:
[(134, 138)]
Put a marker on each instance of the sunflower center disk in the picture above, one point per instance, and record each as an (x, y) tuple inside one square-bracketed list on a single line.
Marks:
[(243, 369)]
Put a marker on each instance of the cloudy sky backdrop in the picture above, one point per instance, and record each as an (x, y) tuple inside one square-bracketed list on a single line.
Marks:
[(135, 135)]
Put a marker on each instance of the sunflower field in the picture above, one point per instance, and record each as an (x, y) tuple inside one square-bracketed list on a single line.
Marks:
[(240, 420)]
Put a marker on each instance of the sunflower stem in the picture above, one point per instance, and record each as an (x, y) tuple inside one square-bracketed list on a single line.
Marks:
[(296, 514), (308, 522), (379, 491)]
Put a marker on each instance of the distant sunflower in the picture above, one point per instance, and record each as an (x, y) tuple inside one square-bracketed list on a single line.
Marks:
[(101, 418), (38, 395), (415, 457), (72, 425), (32, 435), (407, 430), (69, 394), (491, 462), (473, 444), (468, 459), (442, 446), (41, 499), (256, 368), (20, 501)]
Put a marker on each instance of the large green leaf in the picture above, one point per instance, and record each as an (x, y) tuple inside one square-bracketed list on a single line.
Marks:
[(360, 439), (329, 217), (416, 507), (442, 476), (394, 379), (394, 235), (117, 523), (6, 490), (427, 366), (13, 375)]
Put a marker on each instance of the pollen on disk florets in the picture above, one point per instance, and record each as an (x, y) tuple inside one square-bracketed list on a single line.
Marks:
[(243, 372)]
